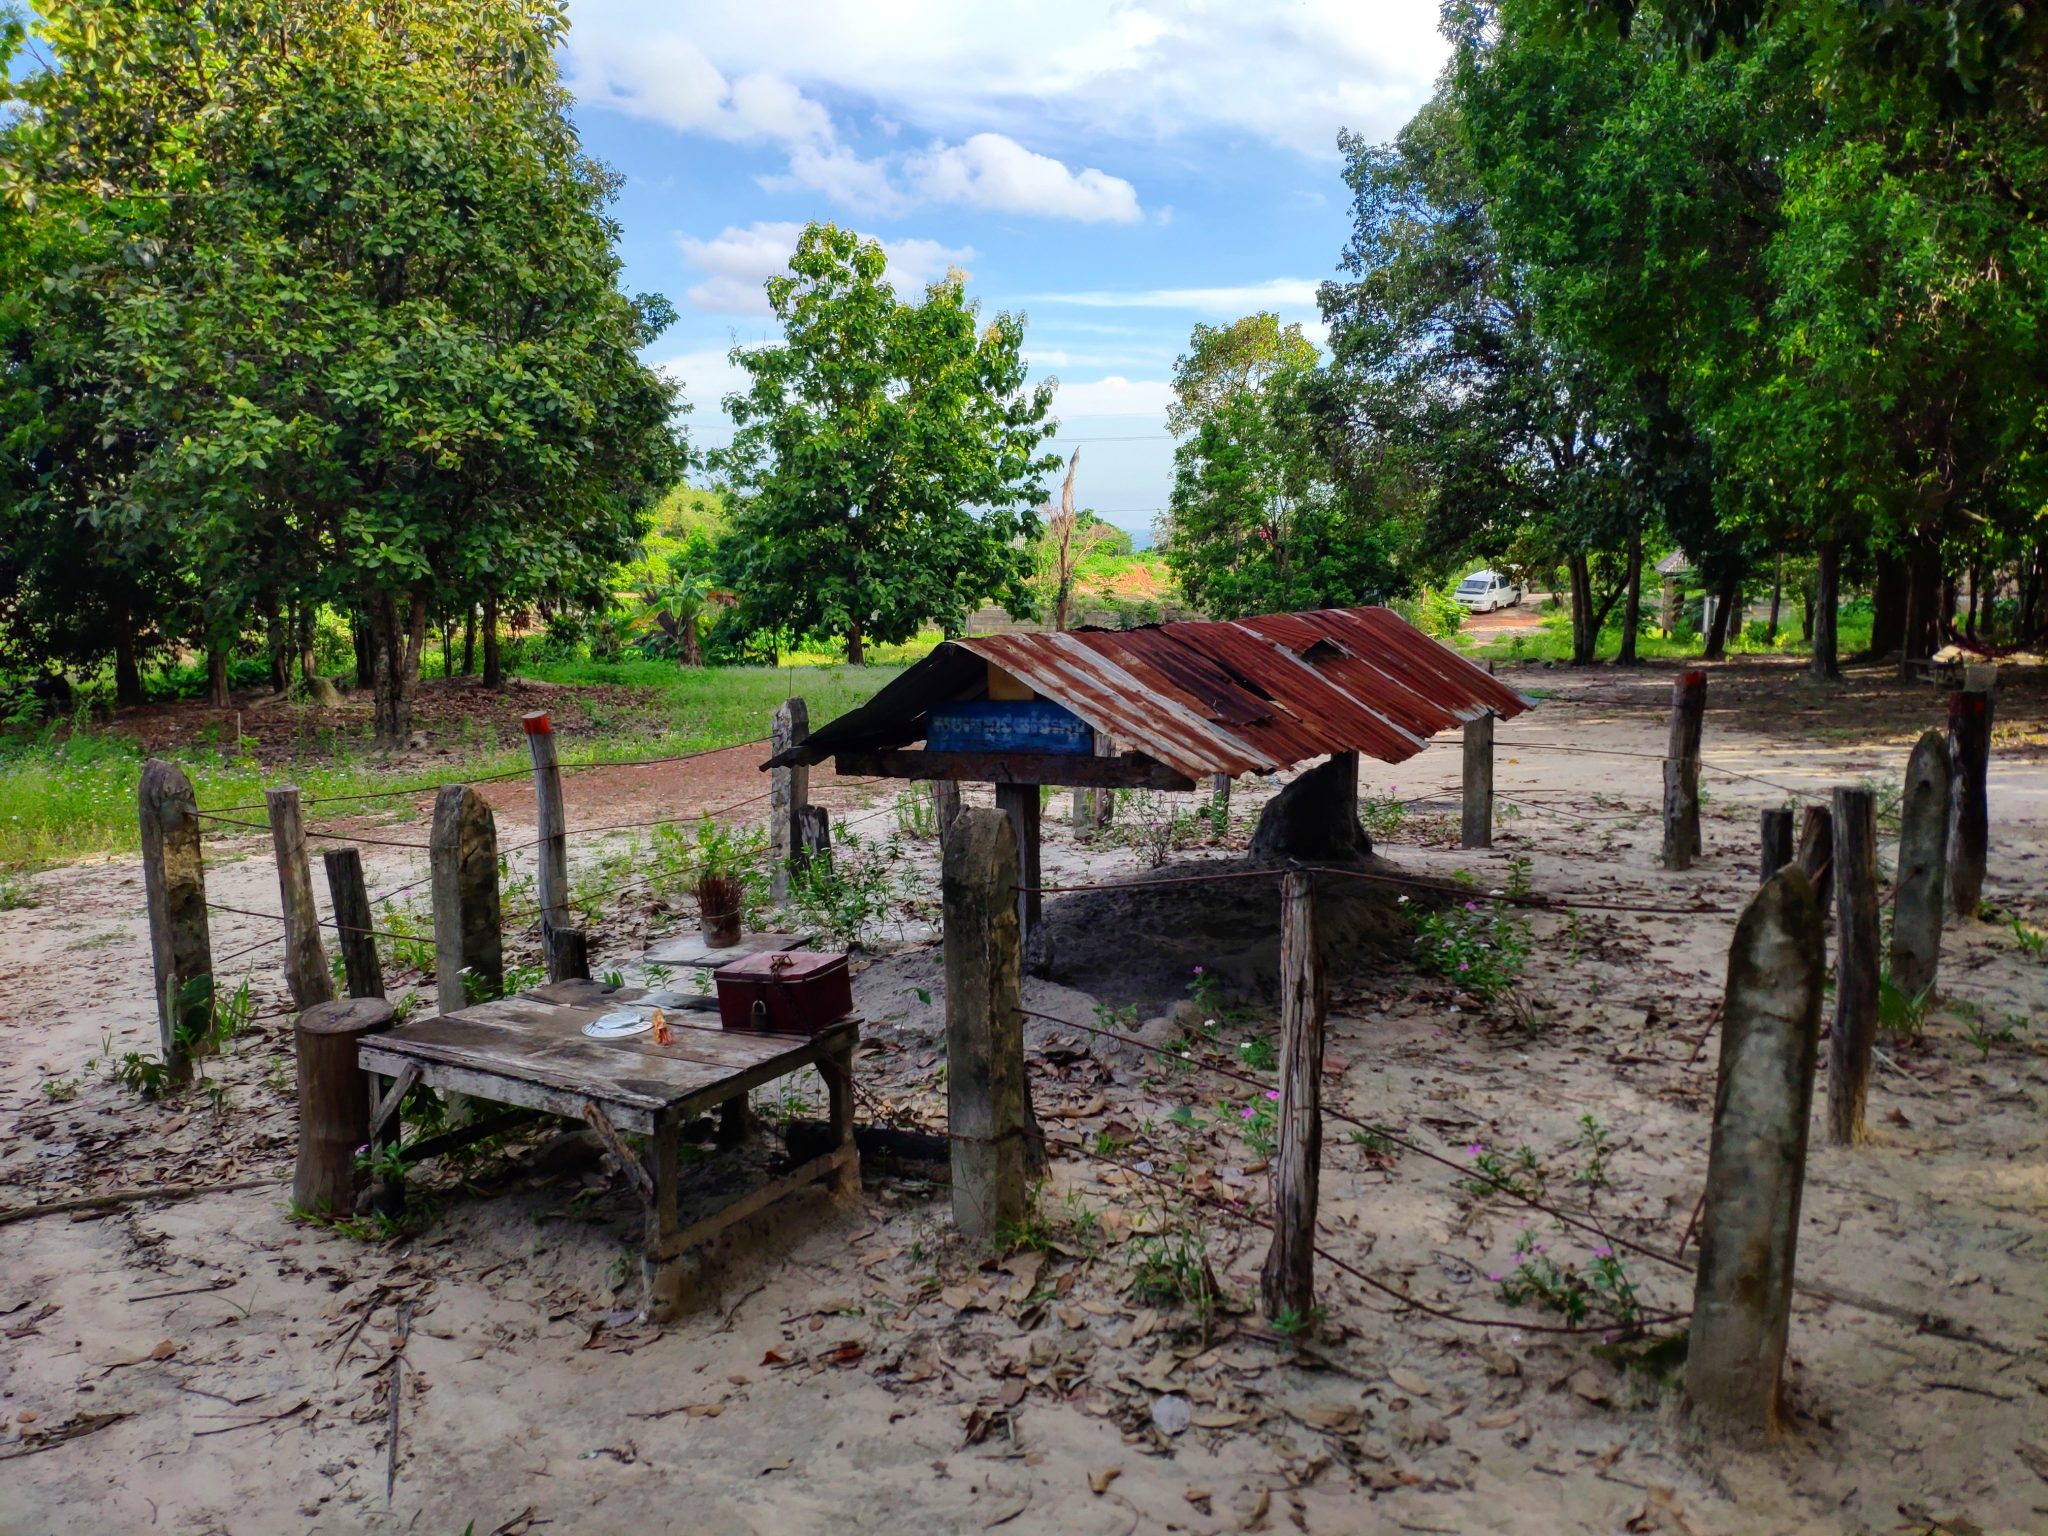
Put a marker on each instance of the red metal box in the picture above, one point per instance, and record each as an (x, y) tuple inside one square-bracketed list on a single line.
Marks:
[(784, 992)]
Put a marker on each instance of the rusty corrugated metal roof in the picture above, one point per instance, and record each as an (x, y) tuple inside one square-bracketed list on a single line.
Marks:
[(1250, 696)]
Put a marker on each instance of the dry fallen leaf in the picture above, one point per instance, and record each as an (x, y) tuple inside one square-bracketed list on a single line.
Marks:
[(848, 1353), (1499, 1420), (1408, 1381), (1214, 1420), (163, 1351), (779, 1464), (1338, 1418), (1586, 1382), (1100, 1479)]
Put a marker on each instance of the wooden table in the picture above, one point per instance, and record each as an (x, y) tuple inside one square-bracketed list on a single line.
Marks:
[(529, 1051)]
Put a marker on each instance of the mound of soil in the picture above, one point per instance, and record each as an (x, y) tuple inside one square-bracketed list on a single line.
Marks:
[(1140, 944)]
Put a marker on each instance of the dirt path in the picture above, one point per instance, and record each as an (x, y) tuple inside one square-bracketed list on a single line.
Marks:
[(224, 1369)]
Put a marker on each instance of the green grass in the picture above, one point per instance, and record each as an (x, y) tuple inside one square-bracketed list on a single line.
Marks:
[(1554, 641), (69, 790)]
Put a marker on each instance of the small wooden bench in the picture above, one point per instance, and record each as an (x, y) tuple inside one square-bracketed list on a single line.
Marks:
[(530, 1051)]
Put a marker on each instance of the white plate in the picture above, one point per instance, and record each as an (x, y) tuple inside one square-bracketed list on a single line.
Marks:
[(618, 1024)]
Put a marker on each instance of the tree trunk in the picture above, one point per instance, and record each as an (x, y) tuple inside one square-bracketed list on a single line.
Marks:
[(1976, 586), (398, 636), (1821, 625), (217, 677), (1727, 603), (856, 653), (1777, 597), (494, 670), (447, 646), (276, 635), (1585, 634), (366, 650), (1632, 608), (1920, 634), (691, 645), (1888, 608), (127, 674), (309, 665), (469, 641)]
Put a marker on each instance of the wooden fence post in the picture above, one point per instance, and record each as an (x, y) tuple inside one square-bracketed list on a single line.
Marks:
[(1969, 824), (1921, 903), (1023, 805), (987, 1092), (334, 1101), (350, 898), (1855, 1028), (814, 843), (305, 957), (1756, 1165), (1287, 1282), (1775, 840), (1817, 852), (174, 888), (462, 853), (789, 791), (1477, 828), (1682, 771), (945, 806), (552, 814)]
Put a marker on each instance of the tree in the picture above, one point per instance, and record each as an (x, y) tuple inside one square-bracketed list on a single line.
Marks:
[(1225, 361), (886, 457), (1436, 346), (363, 333), (1259, 521)]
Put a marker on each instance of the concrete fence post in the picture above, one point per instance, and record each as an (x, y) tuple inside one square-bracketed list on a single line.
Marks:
[(987, 1092), (1476, 829), (468, 925), (1922, 900), (1854, 1035)]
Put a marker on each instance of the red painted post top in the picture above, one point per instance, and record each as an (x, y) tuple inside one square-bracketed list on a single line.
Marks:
[(537, 723), (1961, 704), (1692, 679)]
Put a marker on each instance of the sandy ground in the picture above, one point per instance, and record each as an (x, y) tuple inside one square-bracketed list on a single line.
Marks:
[(211, 1366)]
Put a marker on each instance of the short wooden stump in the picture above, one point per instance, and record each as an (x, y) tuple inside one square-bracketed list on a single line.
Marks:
[(334, 1101)]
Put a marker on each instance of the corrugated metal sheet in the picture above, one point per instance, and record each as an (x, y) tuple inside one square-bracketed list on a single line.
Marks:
[(1251, 696)]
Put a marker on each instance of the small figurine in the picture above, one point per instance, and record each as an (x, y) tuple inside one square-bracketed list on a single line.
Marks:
[(663, 1035)]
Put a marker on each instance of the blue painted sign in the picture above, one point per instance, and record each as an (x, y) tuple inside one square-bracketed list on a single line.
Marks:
[(1008, 725)]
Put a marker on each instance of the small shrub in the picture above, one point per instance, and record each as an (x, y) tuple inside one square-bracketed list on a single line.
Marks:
[(1482, 949)]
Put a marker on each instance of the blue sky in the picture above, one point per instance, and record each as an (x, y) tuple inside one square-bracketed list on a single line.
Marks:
[(1115, 171)]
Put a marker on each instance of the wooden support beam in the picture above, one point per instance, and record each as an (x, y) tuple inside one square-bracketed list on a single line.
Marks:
[(1024, 806), (387, 1107), (987, 1092), (305, 957), (1756, 1163), (1131, 769), (1854, 1034), (1287, 1282), (350, 898), (635, 1171), (1922, 899), (174, 890)]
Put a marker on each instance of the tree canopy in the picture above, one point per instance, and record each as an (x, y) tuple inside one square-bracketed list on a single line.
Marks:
[(887, 461)]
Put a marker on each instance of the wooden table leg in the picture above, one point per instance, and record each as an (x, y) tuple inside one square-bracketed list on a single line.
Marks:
[(836, 1067), (387, 1179), (660, 1248), (735, 1120)]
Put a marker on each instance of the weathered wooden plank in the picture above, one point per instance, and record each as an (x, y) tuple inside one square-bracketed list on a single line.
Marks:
[(1132, 768), (760, 1198), (567, 1101), (636, 1174), (387, 1107)]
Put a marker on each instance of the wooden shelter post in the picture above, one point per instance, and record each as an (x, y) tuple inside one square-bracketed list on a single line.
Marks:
[(1023, 804), (987, 1092), (1476, 830)]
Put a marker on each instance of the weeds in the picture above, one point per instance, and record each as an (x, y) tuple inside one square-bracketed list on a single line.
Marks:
[(60, 1090), (1901, 1014), (1169, 1264), (1383, 815), (915, 815), (1520, 1172), (1259, 1053), (2032, 941), (1481, 949), (15, 891), (860, 885), (1570, 1288)]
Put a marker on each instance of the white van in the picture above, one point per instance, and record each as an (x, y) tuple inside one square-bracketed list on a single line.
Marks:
[(1484, 591)]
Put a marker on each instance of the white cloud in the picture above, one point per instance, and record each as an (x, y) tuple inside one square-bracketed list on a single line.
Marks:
[(1113, 396), (1279, 293), (1146, 70), (739, 261), (665, 77), (993, 171)]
